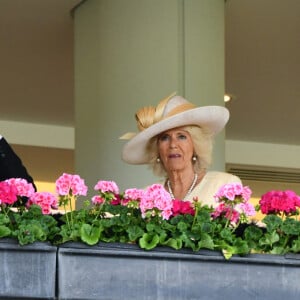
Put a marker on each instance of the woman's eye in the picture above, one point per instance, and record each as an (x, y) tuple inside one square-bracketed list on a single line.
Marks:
[(164, 137), (182, 137)]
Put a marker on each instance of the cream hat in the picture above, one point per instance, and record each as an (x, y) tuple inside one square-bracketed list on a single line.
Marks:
[(171, 112)]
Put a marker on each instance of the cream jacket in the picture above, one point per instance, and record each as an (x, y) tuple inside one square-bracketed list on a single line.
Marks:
[(209, 186)]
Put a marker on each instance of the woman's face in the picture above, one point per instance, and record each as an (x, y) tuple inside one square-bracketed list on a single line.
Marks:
[(175, 149)]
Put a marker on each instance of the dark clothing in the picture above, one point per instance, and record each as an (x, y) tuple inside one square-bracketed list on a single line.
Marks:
[(11, 165)]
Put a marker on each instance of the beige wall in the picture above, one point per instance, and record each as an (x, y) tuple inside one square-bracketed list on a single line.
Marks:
[(45, 164)]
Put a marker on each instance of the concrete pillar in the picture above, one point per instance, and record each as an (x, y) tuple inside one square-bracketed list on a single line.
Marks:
[(132, 53)]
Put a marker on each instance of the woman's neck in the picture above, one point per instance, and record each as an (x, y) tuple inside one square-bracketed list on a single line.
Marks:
[(181, 184)]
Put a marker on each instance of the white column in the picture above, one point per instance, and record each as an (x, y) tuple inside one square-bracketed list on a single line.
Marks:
[(132, 53)]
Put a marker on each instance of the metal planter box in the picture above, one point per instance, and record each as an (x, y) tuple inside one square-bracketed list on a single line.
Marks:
[(27, 272), (120, 271)]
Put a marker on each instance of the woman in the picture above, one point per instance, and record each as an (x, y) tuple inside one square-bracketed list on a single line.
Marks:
[(176, 139)]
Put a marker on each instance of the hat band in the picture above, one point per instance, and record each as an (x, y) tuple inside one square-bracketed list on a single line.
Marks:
[(179, 109)]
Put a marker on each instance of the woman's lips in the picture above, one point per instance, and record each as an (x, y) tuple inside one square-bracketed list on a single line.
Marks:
[(174, 155)]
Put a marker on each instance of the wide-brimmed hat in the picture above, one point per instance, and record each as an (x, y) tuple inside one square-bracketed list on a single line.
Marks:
[(171, 112)]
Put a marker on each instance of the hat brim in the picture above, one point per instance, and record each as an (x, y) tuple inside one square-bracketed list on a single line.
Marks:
[(211, 118)]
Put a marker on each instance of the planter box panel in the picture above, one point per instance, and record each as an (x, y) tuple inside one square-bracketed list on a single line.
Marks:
[(27, 272), (109, 272)]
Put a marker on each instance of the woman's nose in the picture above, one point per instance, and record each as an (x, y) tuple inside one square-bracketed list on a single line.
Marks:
[(173, 143)]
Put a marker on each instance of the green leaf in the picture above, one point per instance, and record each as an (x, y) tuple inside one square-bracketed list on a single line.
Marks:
[(189, 243), (4, 220), (29, 233), (4, 231), (291, 226), (90, 234), (239, 247), (278, 250), (269, 239), (173, 243), (272, 222), (253, 233), (207, 227), (227, 253), (134, 232), (296, 246), (206, 242), (182, 226), (227, 235), (148, 241), (154, 228)]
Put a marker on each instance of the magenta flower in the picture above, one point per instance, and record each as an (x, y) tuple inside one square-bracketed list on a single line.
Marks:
[(24, 189), (182, 207), (8, 193), (275, 202), (45, 200), (69, 184)]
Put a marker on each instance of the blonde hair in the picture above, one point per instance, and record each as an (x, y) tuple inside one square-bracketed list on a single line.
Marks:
[(203, 144)]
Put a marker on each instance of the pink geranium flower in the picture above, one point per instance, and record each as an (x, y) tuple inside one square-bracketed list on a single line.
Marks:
[(131, 195), (69, 184), (233, 203), (24, 189), (134, 194), (231, 191), (109, 192), (107, 186), (45, 200), (96, 200), (157, 198)]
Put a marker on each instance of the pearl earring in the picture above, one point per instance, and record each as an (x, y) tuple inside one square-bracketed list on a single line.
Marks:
[(194, 158), (158, 160)]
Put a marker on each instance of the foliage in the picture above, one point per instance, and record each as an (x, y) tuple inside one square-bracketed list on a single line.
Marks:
[(150, 218)]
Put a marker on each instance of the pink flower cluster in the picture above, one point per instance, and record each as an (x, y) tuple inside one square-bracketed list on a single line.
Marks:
[(68, 184), (234, 205), (274, 202), (107, 186), (132, 194), (108, 191), (231, 191), (156, 197), (13, 188), (24, 189), (45, 200)]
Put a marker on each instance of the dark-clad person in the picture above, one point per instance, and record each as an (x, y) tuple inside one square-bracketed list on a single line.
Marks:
[(175, 139), (11, 165)]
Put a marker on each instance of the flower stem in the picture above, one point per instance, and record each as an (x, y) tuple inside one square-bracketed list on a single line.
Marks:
[(195, 215)]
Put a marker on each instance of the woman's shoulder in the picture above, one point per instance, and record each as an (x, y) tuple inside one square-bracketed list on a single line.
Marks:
[(223, 176)]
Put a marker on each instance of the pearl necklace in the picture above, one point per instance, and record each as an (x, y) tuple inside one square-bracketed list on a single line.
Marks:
[(188, 192)]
